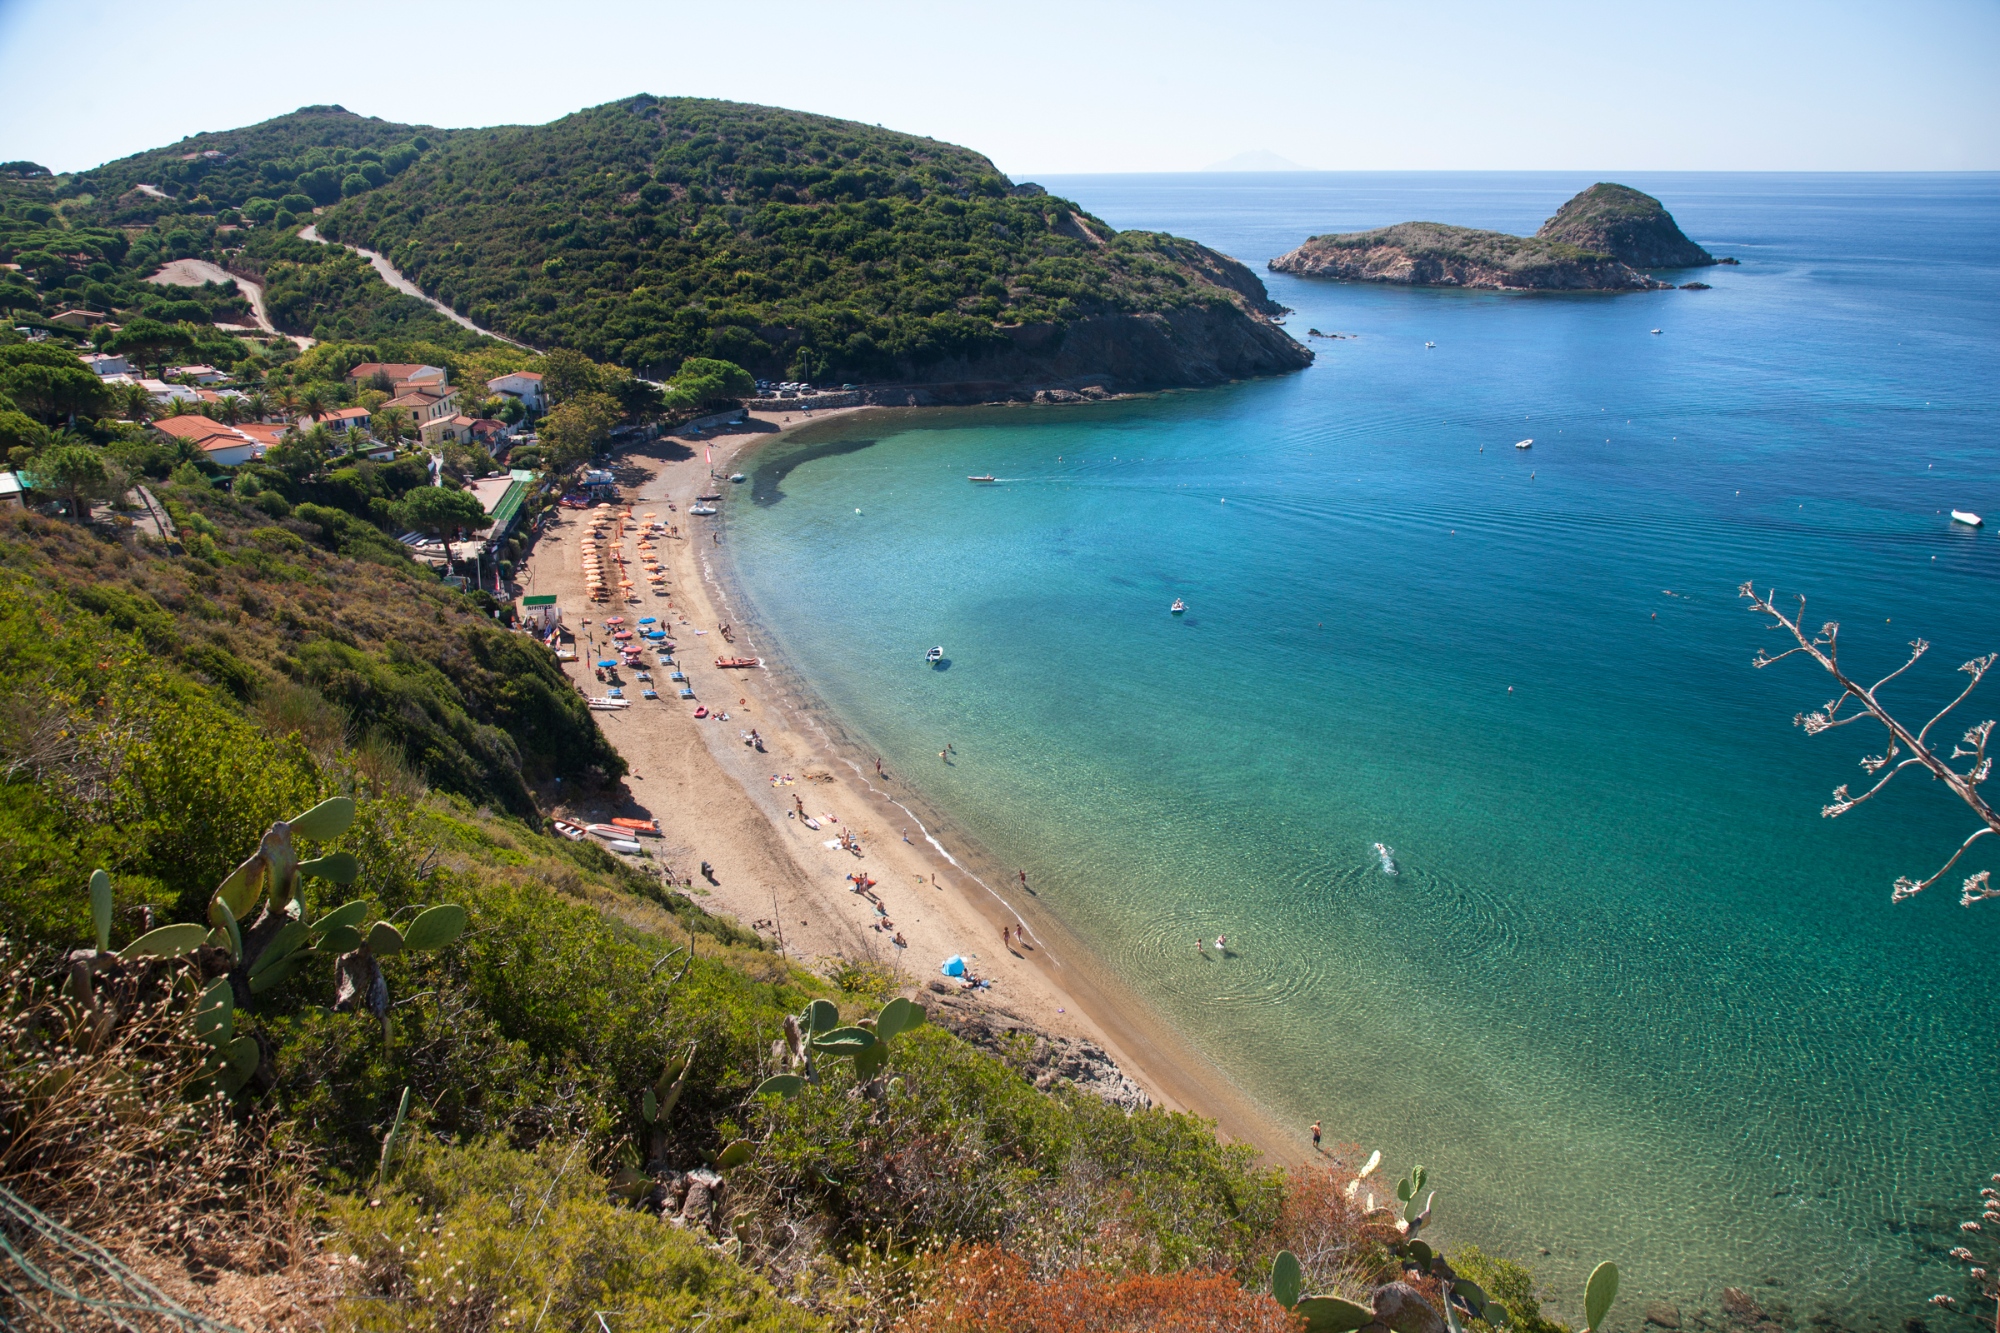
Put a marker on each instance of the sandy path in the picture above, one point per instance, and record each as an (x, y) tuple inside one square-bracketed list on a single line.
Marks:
[(394, 277), (716, 802), (195, 272)]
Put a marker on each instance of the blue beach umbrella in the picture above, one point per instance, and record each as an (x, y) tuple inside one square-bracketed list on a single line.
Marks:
[(646, 620), (605, 661)]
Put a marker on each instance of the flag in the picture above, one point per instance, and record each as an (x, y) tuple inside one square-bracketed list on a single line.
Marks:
[(708, 455)]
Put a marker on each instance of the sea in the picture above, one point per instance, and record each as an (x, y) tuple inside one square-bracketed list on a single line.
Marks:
[(1521, 862)]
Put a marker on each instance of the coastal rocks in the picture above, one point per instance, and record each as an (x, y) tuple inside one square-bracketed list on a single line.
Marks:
[(1633, 228), (1598, 241), (1403, 1308), (1181, 347), (1041, 1058)]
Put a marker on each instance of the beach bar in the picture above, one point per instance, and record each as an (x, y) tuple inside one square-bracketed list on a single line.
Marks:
[(541, 614)]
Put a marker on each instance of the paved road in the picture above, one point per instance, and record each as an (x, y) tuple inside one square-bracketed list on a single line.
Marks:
[(402, 284)]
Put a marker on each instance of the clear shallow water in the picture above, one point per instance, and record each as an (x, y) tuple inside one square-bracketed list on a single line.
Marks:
[(1629, 995)]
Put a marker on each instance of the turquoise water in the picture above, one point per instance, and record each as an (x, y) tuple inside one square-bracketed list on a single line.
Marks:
[(1629, 995)]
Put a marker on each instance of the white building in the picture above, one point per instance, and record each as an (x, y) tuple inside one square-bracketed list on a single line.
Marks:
[(523, 385), (104, 364)]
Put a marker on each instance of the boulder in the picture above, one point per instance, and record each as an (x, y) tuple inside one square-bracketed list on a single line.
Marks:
[(703, 1204), (1663, 1314), (1403, 1308)]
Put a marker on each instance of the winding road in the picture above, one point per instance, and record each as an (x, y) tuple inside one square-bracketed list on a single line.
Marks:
[(195, 272), (402, 284)]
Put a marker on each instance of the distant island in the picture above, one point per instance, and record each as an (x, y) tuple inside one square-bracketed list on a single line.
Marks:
[(1599, 241)]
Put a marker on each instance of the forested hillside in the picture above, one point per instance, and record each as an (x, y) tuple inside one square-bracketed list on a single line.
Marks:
[(648, 230)]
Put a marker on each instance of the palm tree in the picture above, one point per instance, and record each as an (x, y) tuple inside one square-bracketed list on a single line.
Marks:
[(232, 410), (258, 406), (313, 404), (288, 402)]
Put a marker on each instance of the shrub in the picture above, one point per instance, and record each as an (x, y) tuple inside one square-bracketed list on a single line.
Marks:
[(483, 1237)]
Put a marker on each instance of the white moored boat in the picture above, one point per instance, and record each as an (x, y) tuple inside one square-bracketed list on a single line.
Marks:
[(1525, 444), (935, 655), (1967, 517)]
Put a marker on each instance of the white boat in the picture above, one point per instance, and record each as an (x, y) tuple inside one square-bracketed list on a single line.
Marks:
[(701, 510), (1178, 608), (935, 655), (1430, 344), (604, 705), (1525, 444), (1655, 330), (1967, 517), (738, 478)]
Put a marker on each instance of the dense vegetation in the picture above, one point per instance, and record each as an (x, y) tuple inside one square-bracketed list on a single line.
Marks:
[(649, 230)]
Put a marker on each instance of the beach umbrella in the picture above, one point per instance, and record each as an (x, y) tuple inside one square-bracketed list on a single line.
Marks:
[(648, 620), (614, 620), (605, 661)]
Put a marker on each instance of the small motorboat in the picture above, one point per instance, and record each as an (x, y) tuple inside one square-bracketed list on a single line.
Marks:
[(1528, 443), (715, 496), (574, 832), (609, 705), (648, 827), (1967, 517), (739, 661), (935, 655), (1430, 344), (1654, 330), (738, 478), (702, 511), (1179, 608), (988, 477), (617, 839), (701, 712)]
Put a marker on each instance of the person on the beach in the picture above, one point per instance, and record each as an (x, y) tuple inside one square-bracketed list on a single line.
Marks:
[(1315, 1136), (878, 765)]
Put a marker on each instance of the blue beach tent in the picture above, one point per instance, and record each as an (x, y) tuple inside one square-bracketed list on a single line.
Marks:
[(954, 966)]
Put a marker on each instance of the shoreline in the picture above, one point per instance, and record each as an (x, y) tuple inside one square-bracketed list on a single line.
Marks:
[(719, 800)]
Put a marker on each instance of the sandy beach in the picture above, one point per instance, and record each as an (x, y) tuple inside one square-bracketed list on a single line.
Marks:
[(719, 800)]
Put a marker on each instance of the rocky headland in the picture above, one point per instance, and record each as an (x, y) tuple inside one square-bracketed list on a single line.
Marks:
[(1602, 240)]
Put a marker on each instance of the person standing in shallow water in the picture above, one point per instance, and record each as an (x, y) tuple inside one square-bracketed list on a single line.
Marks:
[(1315, 1136)]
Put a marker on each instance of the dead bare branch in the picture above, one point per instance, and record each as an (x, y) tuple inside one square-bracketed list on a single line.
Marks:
[(1823, 647)]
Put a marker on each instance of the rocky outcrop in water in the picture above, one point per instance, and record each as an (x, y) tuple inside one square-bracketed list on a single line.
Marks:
[(1598, 241), (1631, 227)]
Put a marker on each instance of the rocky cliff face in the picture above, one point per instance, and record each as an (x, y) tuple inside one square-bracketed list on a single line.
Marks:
[(1184, 347), (1631, 227), (1430, 254), (1598, 241)]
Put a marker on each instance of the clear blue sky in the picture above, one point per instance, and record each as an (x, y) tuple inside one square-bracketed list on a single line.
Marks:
[(1079, 85)]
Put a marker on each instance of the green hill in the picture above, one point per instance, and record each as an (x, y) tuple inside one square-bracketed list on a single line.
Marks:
[(311, 151), (648, 230), (1631, 227)]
